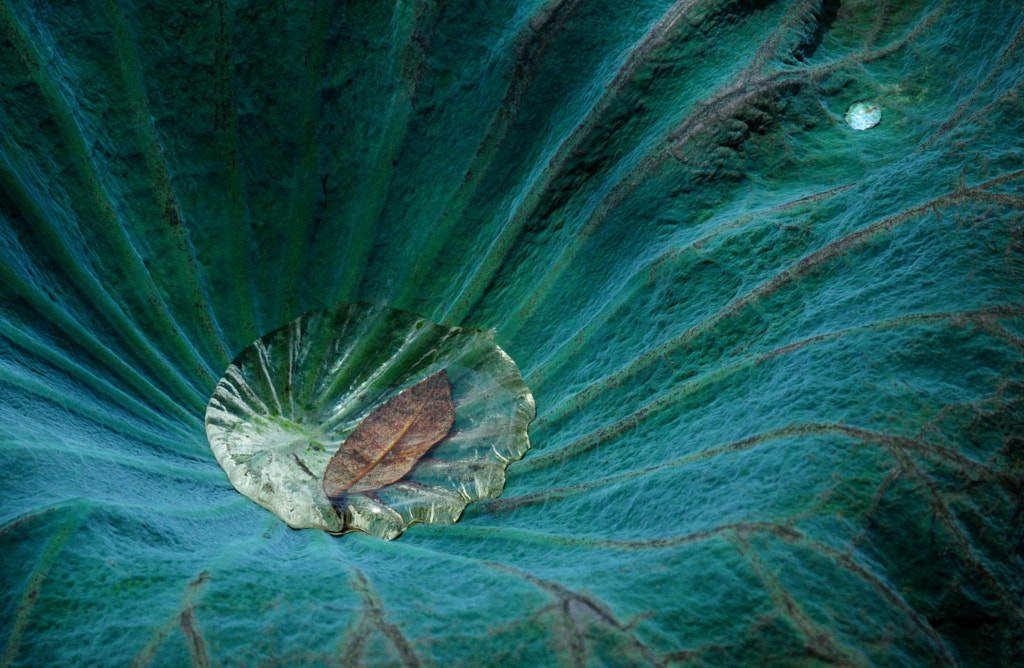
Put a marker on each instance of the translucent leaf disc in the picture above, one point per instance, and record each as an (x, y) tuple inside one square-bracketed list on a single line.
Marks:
[(292, 397)]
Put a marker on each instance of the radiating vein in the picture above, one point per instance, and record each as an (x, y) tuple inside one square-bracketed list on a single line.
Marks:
[(94, 293), (97, 415), (108, 223), (529, 45), (78, 333), (929, 449), (559, 352), (801, 268), (306, 170), (730, 99), (238, 233), (962, 109), (90, 379), (719, 374), (817, 641), (373, 197), (160, 178), (43, 564)]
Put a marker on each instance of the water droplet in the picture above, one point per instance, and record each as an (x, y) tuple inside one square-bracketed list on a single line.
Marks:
[(291, 398), (863, 115)]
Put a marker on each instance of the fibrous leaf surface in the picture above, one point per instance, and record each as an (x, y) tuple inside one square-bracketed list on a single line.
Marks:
[(778, 362)]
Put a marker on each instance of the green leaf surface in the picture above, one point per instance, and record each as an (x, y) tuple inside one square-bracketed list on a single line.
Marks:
[(778, 363)]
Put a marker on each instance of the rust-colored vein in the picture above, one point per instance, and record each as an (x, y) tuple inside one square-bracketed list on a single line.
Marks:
[(726, 101), (1007, 598), (936, 450), (194, 639), (962, 109), (373, 619), (675, 395), (186, 621), (537, 376), (530, 44), (817, 641), (883, 12), (799, 14), (801, 268), (567, 602), (47, 559)]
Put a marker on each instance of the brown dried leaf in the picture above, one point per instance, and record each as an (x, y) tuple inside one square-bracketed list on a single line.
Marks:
[(390, 440)]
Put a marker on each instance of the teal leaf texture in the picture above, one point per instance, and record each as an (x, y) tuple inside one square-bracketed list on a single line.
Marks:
[(777, 362)]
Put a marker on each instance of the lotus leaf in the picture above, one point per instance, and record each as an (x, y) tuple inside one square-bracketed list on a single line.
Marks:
[(778, 364)]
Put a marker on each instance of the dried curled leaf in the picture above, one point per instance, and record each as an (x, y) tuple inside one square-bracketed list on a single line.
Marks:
[(390, 440)]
